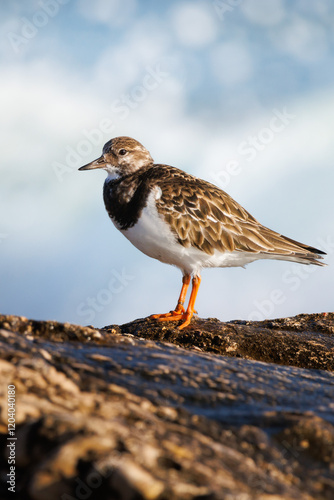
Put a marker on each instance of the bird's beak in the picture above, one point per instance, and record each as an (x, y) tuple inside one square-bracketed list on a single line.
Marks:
[(99, 163)]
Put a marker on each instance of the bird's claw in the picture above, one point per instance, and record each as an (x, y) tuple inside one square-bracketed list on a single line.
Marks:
[(181, 315)]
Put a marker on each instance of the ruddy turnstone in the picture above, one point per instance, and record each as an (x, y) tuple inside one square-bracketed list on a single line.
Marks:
[(184, 221)]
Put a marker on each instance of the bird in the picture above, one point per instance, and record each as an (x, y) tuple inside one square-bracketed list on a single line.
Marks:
[(185, 221)]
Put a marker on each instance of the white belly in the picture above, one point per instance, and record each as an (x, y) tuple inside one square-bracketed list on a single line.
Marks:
[(152, 236)]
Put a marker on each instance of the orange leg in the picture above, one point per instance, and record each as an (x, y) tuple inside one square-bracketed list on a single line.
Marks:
[(179, 313), (179, 309), (190, 309)]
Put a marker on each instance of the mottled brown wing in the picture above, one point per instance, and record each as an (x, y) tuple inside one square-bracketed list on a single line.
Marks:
[(204, 216)]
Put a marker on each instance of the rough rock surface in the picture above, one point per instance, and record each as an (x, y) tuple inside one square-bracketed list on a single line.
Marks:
[(235, 411)]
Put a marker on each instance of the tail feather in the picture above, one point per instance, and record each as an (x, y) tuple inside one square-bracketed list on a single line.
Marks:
[(306, 247), (295, 251)]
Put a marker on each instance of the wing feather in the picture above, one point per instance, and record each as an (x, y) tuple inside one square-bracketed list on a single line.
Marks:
[(202, 215)]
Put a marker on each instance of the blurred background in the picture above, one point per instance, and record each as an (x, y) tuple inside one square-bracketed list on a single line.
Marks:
[(238, 92)]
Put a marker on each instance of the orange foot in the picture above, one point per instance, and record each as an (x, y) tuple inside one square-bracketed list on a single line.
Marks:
[(170, 316), (179, 314), (175, 316)]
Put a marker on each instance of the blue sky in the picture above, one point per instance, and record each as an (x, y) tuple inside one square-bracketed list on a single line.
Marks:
[(237, 92)]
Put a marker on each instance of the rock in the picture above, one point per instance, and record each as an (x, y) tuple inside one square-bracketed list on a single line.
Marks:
[(237, 410), (132, 481), (307, 340)]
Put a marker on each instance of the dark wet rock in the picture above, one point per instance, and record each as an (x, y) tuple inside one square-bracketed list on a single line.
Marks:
[(306, 340), (232, 411)]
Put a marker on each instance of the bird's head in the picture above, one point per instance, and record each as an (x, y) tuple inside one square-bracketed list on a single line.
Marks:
[(120, 157)]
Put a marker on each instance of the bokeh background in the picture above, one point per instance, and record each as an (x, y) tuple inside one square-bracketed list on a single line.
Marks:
[(238, 92)]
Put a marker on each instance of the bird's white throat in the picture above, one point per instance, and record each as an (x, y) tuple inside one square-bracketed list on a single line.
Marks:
[(113, 173)]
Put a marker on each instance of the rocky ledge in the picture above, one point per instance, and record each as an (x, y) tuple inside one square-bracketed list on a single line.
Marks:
[(233, 411)]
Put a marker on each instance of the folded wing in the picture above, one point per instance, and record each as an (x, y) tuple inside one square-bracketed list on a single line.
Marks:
[(204, 216)]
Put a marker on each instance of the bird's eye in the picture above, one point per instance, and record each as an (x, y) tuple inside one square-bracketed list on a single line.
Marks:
[(122, 152)]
